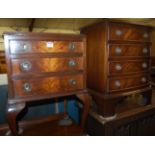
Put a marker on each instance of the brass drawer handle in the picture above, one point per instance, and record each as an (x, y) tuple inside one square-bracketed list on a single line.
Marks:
[(144, 65), (26, 87), (118, 32), (145, 50), (72, 81), (72, 46), (145, 35), (143, 80), (118, 50), (118, 67), (25, 66), (117, 83), (72, 63)]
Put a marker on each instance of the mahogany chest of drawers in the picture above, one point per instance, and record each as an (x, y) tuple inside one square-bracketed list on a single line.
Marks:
[(118, 57), (42, 66)]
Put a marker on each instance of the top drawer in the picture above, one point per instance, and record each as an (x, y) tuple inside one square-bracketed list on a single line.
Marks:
[(128, 32), (24, 47)]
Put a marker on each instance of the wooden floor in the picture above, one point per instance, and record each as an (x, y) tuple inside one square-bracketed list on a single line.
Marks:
[(47, 126), (52, 129)]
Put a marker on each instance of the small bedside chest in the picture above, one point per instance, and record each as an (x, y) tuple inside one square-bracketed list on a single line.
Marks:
[(42, 66), (118, 63)]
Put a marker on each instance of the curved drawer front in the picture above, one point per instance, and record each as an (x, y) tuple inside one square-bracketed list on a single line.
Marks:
[(44, 86), (123, 83), (122, 67), (26, 47), (38, 65), (117, 50), (128, 32)]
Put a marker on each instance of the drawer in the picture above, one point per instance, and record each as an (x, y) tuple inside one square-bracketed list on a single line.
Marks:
[(127, 67), (123, 83), (23, 47), (38, 65), (118, 50), (48, 85), (128, 32)]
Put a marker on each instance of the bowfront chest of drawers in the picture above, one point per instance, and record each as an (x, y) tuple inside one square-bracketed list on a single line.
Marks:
[(42, 66), (118, 63)]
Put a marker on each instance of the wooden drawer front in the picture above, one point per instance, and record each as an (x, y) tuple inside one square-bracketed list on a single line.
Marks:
[(122, 83), (49, 85), (128, 32), (46, 65), (125, 67), (23, 47), (117, 50)]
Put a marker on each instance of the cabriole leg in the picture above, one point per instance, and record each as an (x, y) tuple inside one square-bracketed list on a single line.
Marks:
[(12, 112)]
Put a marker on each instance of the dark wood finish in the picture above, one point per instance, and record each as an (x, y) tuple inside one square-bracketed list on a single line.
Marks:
[(42, 66), (48, 85), (128, 32), (152, 61), (47, 126), (13, 111), (118, 57), (128, 67), (135, 122), (129, 50), (47, 65), (41, 46), (127, 82)]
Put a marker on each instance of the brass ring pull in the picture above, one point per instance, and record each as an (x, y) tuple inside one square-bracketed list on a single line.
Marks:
[(26, 87)]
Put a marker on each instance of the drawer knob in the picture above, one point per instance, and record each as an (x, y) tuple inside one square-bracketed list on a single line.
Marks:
[(117, 83), (143, 80), (145, 50), (72, 46), (26, 47), (25, 66), (118, 67), (119, 32), (72, 63), (144, 65), (145, 35), (118, 50), (26, 87), (72, 81)]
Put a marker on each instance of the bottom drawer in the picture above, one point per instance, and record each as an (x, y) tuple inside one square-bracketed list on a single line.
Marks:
[(123, 83), (48, 85)]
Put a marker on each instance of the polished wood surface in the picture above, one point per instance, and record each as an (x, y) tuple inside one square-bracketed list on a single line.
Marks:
[(117, 56), (48, 85), (96, 57), (127, 83), (128, 67), (119, 31), (133, 122), (129, 50), (39, 65), (23, 47), (43, 66), (47, 63)]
